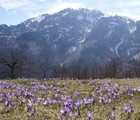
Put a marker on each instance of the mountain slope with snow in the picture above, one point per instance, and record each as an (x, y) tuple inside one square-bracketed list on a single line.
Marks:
[(70, 35)]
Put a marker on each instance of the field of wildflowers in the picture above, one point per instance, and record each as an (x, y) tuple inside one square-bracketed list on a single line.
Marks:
[(69, 99)]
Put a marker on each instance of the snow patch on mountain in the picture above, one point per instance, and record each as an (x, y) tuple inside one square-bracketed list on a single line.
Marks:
[(81, 41), (64, 14), (73, 49), (109, 33), (132, 29), (27, 24), (59, 37), (48, 26), (90, 19), (128, 53), (117, 47), (111, 49), (114, 23), (38, 19), (137, 56), (88, 29), (79, 17)]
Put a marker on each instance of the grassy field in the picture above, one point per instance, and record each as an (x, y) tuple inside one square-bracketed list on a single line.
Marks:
[(70, 99)]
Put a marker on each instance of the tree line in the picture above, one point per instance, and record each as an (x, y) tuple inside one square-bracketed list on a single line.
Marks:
[(15, 63)]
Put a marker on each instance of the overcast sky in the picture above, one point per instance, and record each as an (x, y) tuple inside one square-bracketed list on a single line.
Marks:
[(15, 11)]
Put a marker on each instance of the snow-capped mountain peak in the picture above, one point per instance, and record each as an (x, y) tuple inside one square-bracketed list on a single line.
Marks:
[(70, 35)]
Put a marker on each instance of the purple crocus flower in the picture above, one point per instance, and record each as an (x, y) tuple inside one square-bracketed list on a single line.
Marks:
[(64, 110), (32, 111), (9, 104), (68, 104), (130, 102), (45, 102), (89, 115), (88, 101), (76, 114), (30, 103), (113, 114), (128, 109), (23, 100)]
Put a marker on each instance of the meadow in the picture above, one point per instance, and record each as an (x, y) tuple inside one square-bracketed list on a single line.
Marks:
[(107, 99)]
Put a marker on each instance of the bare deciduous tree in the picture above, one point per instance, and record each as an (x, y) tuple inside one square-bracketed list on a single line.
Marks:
[(12, 62)]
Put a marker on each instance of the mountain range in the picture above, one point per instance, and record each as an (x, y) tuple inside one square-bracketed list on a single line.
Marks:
[(70, 35)]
